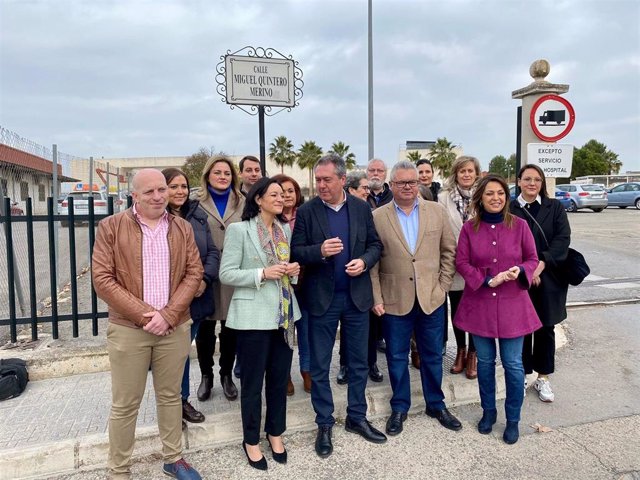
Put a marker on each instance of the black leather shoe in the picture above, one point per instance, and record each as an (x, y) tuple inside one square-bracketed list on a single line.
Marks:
[(394, 424), (204, 390), (365, 430), (374, 373), (324, 447), (190, 414), (381, 346), (342, 377), (446, 419), (228, 387)]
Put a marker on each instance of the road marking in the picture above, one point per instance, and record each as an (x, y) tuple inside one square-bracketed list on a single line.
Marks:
[(620, 286), (594, 278)]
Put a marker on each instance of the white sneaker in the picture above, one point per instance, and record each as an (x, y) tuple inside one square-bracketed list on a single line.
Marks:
[(544, 390)]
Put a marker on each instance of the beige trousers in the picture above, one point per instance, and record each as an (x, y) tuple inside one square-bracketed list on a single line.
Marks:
[(131, 352)]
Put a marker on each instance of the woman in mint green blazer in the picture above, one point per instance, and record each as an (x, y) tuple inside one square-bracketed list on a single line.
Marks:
[(263, 309)]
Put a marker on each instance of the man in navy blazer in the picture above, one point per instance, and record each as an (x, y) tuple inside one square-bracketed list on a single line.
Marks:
[(335, 239)]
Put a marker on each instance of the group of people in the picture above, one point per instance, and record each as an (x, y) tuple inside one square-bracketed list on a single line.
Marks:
[(376, 259)]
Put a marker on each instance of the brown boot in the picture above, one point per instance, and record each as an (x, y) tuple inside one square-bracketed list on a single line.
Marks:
[(459, 364), (306, 381), (472, 365), (290, 388)]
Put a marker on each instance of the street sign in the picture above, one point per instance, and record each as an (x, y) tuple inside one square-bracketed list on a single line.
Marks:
[(552, 118), (555, 159), (260, 81)]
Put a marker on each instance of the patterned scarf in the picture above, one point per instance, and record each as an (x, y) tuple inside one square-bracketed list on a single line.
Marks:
[(462, 199), (277, 251)]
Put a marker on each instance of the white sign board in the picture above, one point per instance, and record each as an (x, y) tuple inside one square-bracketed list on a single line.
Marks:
[(555, 159), (259, 81)]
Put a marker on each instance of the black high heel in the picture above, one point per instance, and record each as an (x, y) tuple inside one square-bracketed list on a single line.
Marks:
[(278, 457), (258, 464)]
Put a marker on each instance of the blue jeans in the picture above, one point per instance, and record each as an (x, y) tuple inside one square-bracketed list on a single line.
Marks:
[(429, 334), (511, 356), (322, 337), (302, 330), (185, 376)]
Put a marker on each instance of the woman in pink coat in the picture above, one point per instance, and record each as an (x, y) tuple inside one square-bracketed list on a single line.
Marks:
[(496, 256)]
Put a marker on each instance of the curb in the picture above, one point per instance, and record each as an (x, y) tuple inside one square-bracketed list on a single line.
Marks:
[(90, 451)]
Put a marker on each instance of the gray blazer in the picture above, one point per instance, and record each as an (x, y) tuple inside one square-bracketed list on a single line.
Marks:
[(254, 304)]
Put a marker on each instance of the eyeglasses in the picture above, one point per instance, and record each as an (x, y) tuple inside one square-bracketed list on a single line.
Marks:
[(364, 187), (531, 180), (410, 183)]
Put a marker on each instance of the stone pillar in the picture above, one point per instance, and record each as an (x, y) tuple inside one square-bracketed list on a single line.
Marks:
[(529, 95)]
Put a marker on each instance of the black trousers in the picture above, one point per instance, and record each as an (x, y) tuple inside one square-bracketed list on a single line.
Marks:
[(539, 351), (375, 334), (269, 358), (206, 345), (461, 336)]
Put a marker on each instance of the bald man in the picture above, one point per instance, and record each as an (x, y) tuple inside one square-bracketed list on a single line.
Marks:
[(147, 268)]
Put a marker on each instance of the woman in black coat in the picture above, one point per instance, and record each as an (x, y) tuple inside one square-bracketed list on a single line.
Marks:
[(550, 227), (203, 304)]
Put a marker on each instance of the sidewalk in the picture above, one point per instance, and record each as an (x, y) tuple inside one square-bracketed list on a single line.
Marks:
[(60, 424)]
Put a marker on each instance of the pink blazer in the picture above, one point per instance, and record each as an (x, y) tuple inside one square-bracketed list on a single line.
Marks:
[(505, 311)]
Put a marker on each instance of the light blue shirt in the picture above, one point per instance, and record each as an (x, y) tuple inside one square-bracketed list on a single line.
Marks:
[(409, 224)]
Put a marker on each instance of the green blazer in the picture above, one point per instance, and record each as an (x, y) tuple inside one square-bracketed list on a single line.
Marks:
[(254, 304)]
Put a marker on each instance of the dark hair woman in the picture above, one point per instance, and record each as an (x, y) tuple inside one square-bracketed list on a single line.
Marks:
[(427, 187), (292, 200), (497, 258), (552, 233), (263, 309), (203, 304), (222, 201)]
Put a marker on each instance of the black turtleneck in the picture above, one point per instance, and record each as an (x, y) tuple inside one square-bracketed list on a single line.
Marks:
[(492, 217)]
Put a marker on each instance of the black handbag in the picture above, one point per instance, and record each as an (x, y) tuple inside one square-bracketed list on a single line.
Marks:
[(574, 269)]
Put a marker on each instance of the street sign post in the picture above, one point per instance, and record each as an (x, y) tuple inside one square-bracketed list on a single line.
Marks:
[(555, 159), (260, 79), (552, 118)]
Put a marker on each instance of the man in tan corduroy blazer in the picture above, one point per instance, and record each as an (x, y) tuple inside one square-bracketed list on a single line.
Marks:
[(409, 286)]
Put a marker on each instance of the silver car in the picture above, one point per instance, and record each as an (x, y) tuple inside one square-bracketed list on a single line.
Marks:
[(586, 196)]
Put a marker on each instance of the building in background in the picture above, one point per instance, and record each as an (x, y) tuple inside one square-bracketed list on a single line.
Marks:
[(24, 175)]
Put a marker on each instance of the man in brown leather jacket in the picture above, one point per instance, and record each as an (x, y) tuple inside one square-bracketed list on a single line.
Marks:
[(147, 268)]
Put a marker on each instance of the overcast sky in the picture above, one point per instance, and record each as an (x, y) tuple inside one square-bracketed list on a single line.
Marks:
[(137, 78)]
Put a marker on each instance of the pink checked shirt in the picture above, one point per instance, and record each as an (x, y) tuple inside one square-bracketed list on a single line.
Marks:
[(155, 261)]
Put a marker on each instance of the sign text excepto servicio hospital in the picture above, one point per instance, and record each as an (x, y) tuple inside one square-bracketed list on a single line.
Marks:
[(555, 160)]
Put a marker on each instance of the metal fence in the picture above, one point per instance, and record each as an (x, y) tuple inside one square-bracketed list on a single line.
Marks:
[(34, 179), (36, 281)]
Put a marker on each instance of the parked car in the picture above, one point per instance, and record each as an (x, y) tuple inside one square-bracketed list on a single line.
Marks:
[(589, 196), (625, 195), (81, 204), (119, 201), (564, 198), (15, 209)]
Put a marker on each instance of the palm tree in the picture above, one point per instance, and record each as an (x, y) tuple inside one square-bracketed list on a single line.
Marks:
[(413, 156), (442, 156), (281, 151), (339, 148), (308, 154)]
